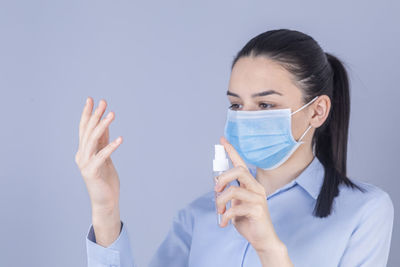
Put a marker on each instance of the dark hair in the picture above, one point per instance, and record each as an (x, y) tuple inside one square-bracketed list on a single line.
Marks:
[(317, 73)]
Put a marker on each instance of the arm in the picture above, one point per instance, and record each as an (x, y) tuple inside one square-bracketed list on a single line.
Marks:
[(101, 178), (369, 244), (249, 211), (93, 159)]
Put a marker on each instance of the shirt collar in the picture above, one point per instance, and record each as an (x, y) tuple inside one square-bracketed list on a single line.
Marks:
[(310, 179)]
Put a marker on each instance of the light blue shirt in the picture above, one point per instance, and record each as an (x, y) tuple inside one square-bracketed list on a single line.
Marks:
[(357, 233)]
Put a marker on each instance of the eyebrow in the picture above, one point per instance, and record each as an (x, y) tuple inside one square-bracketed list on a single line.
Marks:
[(264, 93)]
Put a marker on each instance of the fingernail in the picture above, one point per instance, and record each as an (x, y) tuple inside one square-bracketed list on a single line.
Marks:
[(108, 115)]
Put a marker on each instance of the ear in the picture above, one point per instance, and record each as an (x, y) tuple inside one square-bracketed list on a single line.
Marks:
[(320, 109)]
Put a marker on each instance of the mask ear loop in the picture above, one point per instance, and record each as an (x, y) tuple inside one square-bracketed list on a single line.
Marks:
[(309, 127), (305, 105)]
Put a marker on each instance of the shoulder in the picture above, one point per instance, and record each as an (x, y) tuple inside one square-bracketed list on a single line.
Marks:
[(371, 199), (367, 218)]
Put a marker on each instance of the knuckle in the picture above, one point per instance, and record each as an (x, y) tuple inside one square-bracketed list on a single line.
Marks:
[(233, 189), (86, 172), (110, 117), (99, 109), (77, 158), (106, 120), (100, 154), (218, 204), (105, 152), (230, 212), (220, 178), (108, 149), (219, 200)]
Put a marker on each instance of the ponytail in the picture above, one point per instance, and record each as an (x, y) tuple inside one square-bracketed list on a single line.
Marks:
[(331, 139)]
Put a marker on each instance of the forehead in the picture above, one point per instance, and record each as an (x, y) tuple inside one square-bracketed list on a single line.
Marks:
[(254, 74)]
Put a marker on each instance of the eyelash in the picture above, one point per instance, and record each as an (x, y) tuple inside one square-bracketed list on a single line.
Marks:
[(269, 105)]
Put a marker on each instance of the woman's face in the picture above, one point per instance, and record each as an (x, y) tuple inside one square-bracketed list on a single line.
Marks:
[(259, 83)]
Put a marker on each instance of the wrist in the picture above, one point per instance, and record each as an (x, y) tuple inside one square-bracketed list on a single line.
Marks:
[(106, 225), (276, 246), (109, 216), (275, 254), (105, 210)]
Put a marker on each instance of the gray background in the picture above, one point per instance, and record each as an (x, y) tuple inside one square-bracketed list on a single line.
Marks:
[(163, 67)]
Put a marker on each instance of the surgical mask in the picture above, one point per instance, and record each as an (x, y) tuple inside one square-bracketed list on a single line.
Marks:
[(263, 138)]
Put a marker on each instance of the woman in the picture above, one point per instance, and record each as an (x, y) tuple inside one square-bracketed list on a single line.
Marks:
[(291, 201)]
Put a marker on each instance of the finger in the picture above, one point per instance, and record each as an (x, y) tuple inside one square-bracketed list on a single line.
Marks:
[(237, 193), (103, 154), (94, 120), (98, 131), (244, 176), (232, 153), (235, 211), (87, 110)]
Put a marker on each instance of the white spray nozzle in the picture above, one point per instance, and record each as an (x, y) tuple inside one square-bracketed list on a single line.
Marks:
[(219, 152), (220, 162)]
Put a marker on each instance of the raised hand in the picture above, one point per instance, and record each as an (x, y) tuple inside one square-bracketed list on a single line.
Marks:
[(249, 210), (98, 171)]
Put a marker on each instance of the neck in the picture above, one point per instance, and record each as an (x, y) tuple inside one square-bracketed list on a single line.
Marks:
[(288, 171)]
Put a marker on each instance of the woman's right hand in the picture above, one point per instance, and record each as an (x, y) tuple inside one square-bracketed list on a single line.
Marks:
[(98, 171)]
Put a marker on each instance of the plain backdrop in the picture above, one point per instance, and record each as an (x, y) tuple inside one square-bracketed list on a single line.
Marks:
[(163, 67)]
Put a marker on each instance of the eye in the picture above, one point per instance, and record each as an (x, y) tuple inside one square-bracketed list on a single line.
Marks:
[(234, 106), (265, 105)]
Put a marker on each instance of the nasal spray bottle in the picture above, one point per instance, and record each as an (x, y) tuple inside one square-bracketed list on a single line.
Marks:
[(220, 164)]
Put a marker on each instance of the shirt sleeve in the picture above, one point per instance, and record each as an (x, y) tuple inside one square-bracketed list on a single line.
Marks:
[(369, 244), (118, 254), (175, 248)]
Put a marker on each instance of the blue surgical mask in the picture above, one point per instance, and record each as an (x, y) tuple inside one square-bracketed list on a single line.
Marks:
[(263, 138)]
